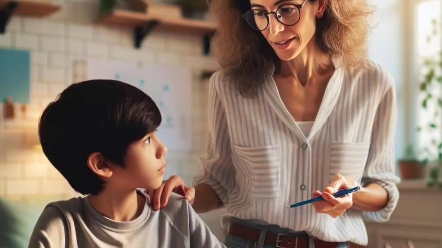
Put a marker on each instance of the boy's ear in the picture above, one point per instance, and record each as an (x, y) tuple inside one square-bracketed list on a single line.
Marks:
[(98, 165)]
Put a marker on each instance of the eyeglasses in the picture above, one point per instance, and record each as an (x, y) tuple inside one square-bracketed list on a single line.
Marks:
[(287, 14)]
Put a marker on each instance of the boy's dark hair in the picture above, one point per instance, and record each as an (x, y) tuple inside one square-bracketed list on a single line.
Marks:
[(103, 116)]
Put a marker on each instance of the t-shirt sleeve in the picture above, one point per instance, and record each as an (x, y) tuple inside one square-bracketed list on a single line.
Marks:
[(188, 225), (50, 230), (200, 234)]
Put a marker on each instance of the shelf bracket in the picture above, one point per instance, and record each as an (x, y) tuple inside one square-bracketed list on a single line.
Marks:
[(207, 43), (206, 74), (142, 31), (5, 15)]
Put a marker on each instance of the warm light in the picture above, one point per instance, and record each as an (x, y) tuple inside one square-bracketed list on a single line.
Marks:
[(37, 147)]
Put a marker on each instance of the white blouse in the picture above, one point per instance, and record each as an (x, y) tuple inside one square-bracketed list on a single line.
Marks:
[(259, 161), (305, 126)]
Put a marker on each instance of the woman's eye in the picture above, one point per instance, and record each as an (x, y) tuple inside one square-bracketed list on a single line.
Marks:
[(258, 13), (286, 10), (147, 141)]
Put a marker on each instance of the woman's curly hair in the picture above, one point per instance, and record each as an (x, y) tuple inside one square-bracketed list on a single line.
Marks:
[(247, 59)]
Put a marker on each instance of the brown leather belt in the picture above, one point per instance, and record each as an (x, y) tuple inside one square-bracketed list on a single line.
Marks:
[(277, 240)]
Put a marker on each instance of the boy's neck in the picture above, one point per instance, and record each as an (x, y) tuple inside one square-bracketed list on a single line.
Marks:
[(118, 206)]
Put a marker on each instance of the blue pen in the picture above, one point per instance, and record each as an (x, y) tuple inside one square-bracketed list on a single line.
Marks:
[(319, 198)]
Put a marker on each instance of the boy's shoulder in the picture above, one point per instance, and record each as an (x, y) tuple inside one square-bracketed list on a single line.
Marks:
[(177, 204), (54, 221), (178, 213), (67, 207)]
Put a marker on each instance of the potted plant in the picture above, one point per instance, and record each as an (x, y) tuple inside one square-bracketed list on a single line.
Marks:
[(107, 6), (431, 102), (194, 9), (410, 167)]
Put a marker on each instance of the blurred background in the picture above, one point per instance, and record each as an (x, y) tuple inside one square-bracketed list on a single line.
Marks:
[(163, 47)]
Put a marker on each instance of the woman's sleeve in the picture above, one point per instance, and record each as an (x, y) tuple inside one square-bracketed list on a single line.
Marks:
[(381, 163), (217, 167)]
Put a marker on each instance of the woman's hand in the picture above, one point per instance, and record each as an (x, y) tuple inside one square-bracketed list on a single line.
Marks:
[(160, 196), (335, 206)]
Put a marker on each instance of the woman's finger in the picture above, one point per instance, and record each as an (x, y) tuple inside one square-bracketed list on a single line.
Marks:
[(157, 197), (330, 198), (190, 195), (173, 183), (321, 206), (334, 215)]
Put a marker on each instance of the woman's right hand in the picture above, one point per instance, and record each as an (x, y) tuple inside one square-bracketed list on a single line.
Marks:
[(160, 197)]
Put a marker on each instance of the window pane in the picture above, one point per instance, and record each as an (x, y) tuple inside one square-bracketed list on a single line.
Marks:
[(427, 11)]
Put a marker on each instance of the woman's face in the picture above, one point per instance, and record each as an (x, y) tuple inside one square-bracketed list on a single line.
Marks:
[(287, 40)]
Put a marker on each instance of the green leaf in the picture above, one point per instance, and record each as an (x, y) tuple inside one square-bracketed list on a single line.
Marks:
[(428, 62), (439, 101), (424, 103), (425, 162), (434, 173), (418, 129), (431, 184), (430, 75), (433, 126), (423, 86)]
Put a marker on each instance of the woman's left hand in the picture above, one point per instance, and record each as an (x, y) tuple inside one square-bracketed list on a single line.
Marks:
[(335, 206)]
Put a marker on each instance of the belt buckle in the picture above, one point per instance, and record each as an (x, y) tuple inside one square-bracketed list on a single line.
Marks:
[(278, 241)]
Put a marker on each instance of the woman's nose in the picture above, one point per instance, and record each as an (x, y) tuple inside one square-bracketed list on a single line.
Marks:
[(274, 25)]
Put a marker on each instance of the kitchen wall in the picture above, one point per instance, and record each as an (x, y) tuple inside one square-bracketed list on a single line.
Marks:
[(72, 35)]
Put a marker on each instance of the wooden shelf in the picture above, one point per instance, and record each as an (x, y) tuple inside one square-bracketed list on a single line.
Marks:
[(143, 24), (206, 74), (30, 8)]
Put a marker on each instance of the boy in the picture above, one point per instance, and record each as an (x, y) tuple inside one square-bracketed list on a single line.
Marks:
[(100, 135)]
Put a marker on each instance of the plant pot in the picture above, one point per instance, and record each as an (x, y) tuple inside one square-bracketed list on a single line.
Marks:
[(193, 14), (411, 169)]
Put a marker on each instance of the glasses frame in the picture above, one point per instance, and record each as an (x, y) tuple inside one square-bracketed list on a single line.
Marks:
[(298, 6)]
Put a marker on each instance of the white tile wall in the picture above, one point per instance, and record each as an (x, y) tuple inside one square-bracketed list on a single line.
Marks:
[(54, 43), (71, 35)]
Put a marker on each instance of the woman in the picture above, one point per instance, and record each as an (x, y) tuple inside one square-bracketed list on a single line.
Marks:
[(297, 111)]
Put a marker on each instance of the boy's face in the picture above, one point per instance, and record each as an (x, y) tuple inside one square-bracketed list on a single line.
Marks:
[(144, 165)]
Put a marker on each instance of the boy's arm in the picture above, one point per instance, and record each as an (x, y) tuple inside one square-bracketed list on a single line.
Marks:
[(50, 230), (200, 234)]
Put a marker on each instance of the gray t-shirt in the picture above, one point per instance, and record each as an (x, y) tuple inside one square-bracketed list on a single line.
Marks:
[(76, 224)]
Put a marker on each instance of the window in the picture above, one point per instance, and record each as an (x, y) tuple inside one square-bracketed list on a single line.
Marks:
[(426, 12)]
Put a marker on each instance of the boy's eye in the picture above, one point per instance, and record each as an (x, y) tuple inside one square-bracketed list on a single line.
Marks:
[(147, 141)]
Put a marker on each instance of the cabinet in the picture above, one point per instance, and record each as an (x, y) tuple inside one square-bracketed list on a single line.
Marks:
[(417, 218)]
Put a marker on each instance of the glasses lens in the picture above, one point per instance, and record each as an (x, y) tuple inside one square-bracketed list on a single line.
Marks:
[(257, 19), (288, 14)]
